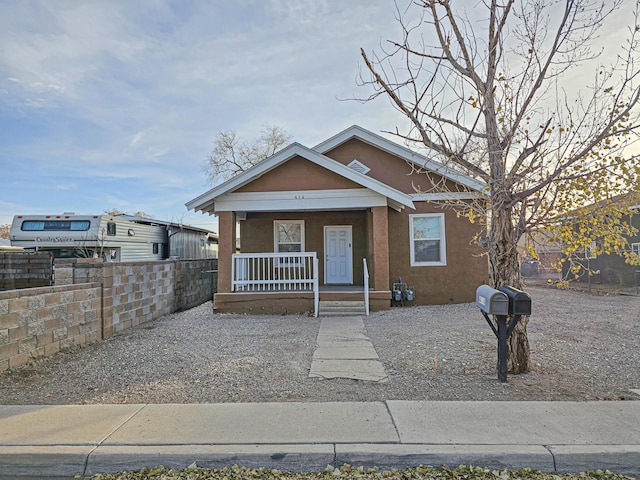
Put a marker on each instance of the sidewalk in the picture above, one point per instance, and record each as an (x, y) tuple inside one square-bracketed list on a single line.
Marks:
[(59, 441)]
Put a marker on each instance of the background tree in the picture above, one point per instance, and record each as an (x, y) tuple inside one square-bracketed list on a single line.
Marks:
[(117, 211), (232, 155), (494, 92), (598, 229), (4, 230)]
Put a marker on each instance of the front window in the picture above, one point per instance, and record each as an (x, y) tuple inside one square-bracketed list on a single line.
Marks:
[(635, 248), (289, 236), (111, 229), (428, 247)]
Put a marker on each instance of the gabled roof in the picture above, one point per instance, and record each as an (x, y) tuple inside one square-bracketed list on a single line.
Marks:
[(382, 143), (206, 202)]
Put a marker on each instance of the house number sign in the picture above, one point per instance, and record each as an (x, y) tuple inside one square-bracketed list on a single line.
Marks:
[(298, 197)]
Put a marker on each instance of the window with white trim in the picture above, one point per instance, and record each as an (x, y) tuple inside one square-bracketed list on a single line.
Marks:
[(428, 246), (288, 236), (635, 248)]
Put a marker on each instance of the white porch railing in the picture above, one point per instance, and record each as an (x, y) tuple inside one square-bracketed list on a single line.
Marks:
[(366, 286), (273, 272)]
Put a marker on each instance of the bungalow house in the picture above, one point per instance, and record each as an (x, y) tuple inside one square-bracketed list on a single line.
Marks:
[(343, 221)]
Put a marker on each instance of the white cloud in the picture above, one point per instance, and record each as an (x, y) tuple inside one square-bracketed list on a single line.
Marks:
[(124, 98)]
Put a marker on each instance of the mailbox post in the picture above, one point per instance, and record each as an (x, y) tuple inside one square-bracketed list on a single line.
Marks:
[(504, 302)]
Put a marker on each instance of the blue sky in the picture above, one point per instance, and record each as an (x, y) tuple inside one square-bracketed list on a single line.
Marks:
[(115, 104)]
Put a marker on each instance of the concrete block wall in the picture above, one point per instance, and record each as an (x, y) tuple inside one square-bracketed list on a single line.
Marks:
[(25, 270), (70, 271), (39, 322), (195, 282), (138, 292), (92, 300)]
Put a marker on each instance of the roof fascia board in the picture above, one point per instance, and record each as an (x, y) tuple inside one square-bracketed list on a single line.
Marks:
[(446, 196), (356, 131)]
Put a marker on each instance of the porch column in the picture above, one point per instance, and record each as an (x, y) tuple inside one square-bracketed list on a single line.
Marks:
[(380, 225), (226, 248)]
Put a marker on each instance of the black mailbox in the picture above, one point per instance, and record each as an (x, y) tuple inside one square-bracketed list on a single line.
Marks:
[(519, 301)]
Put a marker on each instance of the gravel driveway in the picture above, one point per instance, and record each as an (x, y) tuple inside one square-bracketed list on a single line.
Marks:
[(584, 347)]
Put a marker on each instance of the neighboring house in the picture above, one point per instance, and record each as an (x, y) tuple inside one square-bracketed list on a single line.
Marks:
[(332, 214), (115, 238), (610, 269)]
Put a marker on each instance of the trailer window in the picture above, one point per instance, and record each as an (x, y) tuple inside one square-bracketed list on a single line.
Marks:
[(55, 225), (155, 249), (111, 229)]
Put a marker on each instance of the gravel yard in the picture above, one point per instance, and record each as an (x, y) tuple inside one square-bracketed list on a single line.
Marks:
[(584, 347)]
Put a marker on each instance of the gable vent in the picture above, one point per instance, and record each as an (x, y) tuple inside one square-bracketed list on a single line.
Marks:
[(359, 167)]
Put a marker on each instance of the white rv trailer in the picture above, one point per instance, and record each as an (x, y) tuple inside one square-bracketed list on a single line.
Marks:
[(111, 237)]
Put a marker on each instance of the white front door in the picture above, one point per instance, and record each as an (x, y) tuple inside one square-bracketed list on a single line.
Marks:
[(338, 259)]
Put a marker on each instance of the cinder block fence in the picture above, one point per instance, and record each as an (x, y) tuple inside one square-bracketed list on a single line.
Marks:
[(38, 322), (22, 270), (92, 300)]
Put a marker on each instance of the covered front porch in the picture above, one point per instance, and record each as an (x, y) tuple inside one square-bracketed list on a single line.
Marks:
[(256, 281)]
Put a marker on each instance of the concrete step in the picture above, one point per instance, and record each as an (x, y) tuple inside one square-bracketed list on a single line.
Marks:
[(335, 308)]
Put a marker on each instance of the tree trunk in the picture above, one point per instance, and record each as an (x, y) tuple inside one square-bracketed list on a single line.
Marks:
[(505, 270)]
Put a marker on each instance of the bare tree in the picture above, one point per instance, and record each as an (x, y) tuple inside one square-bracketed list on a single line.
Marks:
[(231, 155), (97, 251), (493, 91), (117, 211)]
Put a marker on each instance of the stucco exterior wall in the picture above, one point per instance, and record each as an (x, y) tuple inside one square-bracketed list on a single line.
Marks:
[(298, 174), (256, 234), (387, 168), (466, 266)]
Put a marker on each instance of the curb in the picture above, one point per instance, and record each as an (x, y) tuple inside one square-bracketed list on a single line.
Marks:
[(67, 461)]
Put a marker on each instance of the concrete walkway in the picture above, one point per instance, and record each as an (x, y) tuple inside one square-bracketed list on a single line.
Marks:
[(59, 441), (344, 351)]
